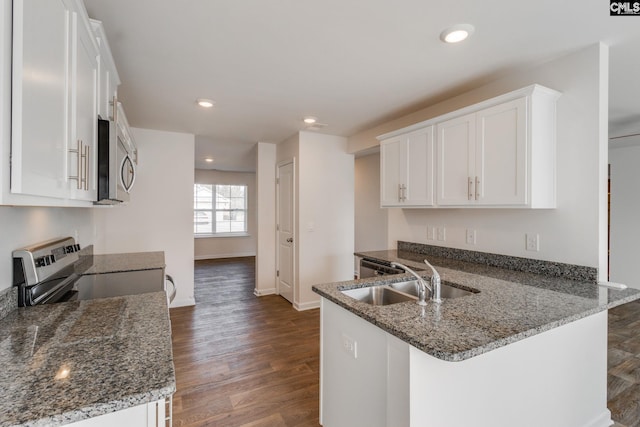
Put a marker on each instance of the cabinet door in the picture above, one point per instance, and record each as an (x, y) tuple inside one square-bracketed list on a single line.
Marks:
[(501, 157), (418, 158), (40, 104), (456, 161), (84, 92), (390, 172)]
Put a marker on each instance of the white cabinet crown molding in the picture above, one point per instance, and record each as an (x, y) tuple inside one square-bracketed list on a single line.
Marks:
[(519, 93)]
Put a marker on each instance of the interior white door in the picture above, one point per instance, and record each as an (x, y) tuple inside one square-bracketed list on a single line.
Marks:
[(285, 241)]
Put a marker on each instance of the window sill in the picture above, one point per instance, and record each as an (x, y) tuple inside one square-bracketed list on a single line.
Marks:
[(216, 235)]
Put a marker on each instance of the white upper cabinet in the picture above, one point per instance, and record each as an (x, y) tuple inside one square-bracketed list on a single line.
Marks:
[(498, 153), (108, 79), (63, 78), (406, 170), (40, 97), (82, 147), (456, 160), (482, 157)]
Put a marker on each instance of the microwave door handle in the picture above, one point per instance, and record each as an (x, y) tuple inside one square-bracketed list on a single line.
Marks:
[(124, 169)]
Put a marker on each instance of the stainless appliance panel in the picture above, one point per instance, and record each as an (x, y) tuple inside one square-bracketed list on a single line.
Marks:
[(372, 268)]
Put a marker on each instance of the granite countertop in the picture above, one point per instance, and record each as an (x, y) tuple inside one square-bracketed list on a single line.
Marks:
[(71, 361), (510, 306), (121, 262)]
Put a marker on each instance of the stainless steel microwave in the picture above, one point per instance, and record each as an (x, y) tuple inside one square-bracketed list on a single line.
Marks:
[(117, 159)]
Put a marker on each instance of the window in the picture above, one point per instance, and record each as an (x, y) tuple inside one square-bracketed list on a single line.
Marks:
[(219, 209)]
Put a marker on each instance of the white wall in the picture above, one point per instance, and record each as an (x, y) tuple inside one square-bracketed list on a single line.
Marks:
[(572, 233), (370, 218), (326, 214), (229, 247), (266, 220), (624, 157), (160, 214), (22, 226)]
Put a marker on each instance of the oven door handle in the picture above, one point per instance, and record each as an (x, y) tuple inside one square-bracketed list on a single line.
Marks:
[(53, 293), (170, 295)]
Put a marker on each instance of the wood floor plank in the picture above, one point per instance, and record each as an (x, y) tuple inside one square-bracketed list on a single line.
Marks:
[(242, 360)]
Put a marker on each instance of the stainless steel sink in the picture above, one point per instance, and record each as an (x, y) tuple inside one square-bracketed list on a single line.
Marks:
[(446, 291), (378, 295), (400, 292)]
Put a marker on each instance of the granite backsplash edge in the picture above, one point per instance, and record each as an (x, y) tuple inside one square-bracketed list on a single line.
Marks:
[(528, 265)]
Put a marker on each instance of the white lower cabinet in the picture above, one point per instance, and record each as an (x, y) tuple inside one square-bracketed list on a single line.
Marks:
[(369, 377), (152, 414)]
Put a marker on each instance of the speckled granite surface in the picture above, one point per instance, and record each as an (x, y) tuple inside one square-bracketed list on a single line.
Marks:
[(548, 268), (116, 353), (115, 263), (8, 301), (510, 306)]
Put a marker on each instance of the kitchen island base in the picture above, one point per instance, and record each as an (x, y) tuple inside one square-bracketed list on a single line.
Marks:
[(556, 378)]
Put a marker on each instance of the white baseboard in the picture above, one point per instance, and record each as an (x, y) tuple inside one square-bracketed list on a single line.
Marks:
[(184, 302), (306, 305), (263, 292), (218, 256), (604, 420)]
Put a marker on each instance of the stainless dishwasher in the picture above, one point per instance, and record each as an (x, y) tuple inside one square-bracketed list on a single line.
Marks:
[(374, 268)]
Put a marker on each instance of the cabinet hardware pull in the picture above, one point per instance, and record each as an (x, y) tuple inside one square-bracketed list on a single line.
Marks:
[(83, 166), (469, 191), (78, 176), (477, 188), (87, 166), (115, 108), (399, 192)]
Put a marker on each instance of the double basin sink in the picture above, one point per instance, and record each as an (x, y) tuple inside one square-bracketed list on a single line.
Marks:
[(400, 292)]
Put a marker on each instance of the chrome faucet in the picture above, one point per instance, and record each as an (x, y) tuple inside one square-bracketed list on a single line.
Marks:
[(434, 288), (435, 283)]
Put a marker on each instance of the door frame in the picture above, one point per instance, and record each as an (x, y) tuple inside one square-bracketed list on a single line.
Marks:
[(277, 227)]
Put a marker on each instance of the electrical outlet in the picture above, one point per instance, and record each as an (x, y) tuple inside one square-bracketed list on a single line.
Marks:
[(471, 236), (532, 242), (350, 345), (431, 232), (442, 236)]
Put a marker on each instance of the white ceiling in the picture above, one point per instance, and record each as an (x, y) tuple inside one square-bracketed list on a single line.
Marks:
[(351, 63)]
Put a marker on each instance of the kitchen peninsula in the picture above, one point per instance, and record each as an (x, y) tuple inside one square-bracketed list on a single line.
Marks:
[(476, 360)]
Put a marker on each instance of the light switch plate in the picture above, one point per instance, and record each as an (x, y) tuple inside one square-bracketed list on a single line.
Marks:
[(442, 235)]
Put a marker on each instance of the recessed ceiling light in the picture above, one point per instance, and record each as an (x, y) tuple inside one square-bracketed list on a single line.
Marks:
[(206, 103), (457, 33), (310, 120), (209, 160)]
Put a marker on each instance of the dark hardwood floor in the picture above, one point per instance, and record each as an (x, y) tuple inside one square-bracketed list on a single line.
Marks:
[(242, 360), (623, 381)]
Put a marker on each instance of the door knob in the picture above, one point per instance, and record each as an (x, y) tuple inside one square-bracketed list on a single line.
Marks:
[(290, 240)]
